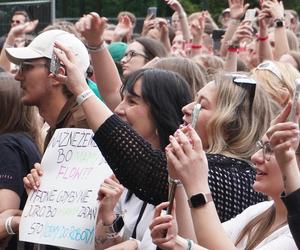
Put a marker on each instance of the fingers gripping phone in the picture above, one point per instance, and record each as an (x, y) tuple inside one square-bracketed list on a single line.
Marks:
[(195, 114), (172, 193), (54, 64), (152, 11), (250, 15), (217, 36), (172, 196)]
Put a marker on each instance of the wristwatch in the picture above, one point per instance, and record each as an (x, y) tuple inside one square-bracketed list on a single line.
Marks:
[(279, 23), (113, 229), (199, 200)]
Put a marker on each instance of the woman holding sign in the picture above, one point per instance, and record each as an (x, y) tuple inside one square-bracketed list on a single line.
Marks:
[(19, 137)]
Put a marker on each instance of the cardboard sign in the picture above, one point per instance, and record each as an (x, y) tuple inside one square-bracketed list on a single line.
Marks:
[(63, 211)]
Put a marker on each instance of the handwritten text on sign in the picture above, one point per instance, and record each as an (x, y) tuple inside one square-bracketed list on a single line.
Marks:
[(64, 209)]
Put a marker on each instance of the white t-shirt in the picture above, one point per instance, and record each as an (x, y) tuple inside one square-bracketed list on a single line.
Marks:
[(281, 239), (132, 210)]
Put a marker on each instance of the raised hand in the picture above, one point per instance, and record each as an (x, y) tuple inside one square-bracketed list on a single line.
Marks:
[(186, 158), (75, 79), (23, 28), (108, 195), (237, 8), (149, 23), (284, 137), (91, 27), (123, 28), (197, 27), (244, 31), (275, 8), (175, 5), (32, 180)]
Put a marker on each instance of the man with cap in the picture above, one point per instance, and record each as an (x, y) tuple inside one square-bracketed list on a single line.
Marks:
[(55, 102)]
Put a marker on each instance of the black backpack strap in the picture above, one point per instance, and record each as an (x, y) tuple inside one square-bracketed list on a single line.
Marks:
[(138, 219)]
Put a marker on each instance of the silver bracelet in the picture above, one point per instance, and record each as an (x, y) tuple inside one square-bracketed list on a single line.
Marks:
[(8, 227), (97, 48), (84, 96), (175, 181)]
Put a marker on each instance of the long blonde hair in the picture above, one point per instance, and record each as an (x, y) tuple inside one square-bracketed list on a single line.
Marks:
[(14, 116), (281, 87), (258, 228), (238, 122)]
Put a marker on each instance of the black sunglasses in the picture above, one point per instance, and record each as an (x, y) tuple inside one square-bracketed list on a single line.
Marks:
[(245, 82)]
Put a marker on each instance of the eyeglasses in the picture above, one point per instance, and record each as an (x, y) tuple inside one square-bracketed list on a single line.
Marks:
[(266, 149), (15, 21), (245, 82), (27, 66), (128, 55), (270, 66)]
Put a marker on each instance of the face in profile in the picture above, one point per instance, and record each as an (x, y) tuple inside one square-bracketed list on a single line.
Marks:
[(268, 178), (136, 112), (207, 98), (134, 58), (35, 83)]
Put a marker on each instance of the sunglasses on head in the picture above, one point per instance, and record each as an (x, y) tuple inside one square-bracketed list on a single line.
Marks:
[(245, 82), (270, 66)]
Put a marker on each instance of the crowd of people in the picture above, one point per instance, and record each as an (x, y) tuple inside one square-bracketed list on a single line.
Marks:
[(235, 165)]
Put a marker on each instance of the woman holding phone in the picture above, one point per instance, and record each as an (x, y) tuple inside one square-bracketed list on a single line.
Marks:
[(262, 226)]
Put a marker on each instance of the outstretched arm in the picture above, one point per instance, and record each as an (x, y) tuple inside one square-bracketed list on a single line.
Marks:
[(176, 6), (15, 32), (237, 11), (108, 80)]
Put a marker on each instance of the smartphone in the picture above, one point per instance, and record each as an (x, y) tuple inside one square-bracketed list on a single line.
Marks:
[(217, 36), (292, 116), (152, 11), (54, 64), (172, 193), (250, 15), (172, 197), (195, 114)]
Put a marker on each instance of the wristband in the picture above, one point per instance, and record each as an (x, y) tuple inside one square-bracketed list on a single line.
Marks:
[(175, 181), (84, 96), (232, 49), (196, 46), (8, 227), (96, 48), (262, 39)]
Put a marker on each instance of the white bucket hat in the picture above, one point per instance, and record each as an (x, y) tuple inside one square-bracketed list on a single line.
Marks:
[(42, 46)]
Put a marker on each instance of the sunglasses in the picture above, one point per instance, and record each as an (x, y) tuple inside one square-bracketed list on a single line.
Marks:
[(245, 82), (15, 21), (270, 66)]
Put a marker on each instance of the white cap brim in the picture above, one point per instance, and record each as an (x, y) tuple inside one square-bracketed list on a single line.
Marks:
[(17, 55)]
